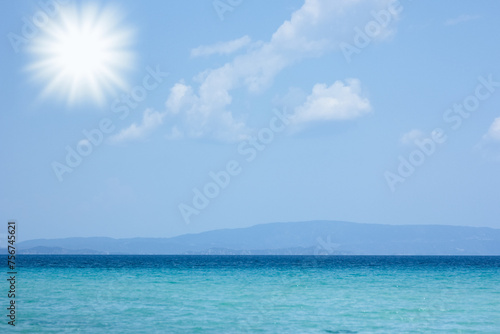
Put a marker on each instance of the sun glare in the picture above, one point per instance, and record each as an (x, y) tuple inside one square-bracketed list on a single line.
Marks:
[(83, 55)]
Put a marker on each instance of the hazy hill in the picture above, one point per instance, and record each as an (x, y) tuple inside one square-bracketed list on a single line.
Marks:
[(315, 237)]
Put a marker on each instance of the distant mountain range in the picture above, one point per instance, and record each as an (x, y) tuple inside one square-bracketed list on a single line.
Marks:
[(298, 238)]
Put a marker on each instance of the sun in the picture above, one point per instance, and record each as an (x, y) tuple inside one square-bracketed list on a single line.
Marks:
[(83, 54)]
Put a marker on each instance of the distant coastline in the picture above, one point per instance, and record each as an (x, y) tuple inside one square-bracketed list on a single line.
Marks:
[(295, 238)]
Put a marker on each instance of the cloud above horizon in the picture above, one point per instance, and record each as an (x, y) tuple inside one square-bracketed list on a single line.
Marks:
[(336, 102), (150, 120), (222, 48), (489, 146), (203, 109), (493, 133)]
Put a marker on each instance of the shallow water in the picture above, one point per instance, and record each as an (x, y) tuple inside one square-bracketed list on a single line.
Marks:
[(257, 294)]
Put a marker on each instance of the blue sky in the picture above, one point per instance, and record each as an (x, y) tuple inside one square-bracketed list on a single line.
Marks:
[(160, 118)]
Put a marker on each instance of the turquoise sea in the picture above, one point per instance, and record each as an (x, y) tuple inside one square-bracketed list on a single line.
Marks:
[(256, 294)]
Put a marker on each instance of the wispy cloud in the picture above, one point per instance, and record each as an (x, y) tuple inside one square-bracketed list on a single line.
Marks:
[(222, 48), (414, 136), (203, 109), (410, 137), (150, 120), (317, 27), (460, 19), (202, 115), (489, 146), (493, 133)]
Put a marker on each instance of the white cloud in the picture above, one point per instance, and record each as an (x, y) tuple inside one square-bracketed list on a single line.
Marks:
[(180, 95), (493, 133), (201, 115), (337, 102), (410, 137), (489, 146), (317, 27), (203, 109), (150, 120), (460, 19), (320, 25), (222, 48)]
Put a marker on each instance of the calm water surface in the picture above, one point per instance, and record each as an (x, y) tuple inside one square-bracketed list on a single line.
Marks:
[(257, 294)]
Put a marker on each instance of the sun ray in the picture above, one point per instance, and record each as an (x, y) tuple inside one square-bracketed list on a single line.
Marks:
[(83, 55)]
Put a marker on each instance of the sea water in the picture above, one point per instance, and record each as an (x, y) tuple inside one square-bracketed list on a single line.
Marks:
[(256, 294)]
